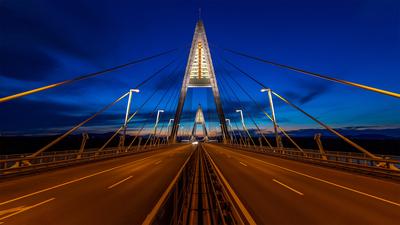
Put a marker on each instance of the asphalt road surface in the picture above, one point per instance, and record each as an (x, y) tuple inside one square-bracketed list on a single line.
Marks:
[(124, 190), (119, 191), (280, 191)]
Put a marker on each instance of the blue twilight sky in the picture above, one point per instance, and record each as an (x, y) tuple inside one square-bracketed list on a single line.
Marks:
[(42, 42)]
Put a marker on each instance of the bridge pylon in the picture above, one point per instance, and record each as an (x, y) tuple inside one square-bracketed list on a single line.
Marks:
[(199, 73), (199, 120)]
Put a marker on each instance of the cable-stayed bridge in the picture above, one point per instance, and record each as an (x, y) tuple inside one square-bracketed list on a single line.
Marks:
[(157, 167)]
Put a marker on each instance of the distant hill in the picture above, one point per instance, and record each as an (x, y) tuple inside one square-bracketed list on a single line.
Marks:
[(348, 132)]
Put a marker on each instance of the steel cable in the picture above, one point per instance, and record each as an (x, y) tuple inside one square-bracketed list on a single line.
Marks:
[(83, 77)]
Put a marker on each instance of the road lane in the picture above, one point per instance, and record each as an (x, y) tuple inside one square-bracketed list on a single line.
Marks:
[(322, 202), (13, 187), (91, 201)]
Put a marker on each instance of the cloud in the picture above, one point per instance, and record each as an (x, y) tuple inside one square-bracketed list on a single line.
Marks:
[(27, 116), (308, 91), (25, 63)]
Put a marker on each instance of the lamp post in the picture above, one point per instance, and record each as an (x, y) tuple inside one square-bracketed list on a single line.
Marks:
[(244, 125), (271, 104), (169, 124), (128, 107), (241, 118), (157, 120)]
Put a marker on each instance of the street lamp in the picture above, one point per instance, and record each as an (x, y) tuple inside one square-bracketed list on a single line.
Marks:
[(241, 117), (157, 120), (169, 124), (244, 126), (128, 107), (271, 104)]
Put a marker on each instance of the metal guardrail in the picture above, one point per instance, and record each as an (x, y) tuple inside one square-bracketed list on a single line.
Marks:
[(13, 156), (14, 164), (384, 165)]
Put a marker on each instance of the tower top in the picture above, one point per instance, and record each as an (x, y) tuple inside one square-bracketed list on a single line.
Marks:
[(199, 14)]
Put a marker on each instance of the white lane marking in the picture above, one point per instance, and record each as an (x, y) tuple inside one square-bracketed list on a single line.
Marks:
[(76, 180), (158, 162), (15, 209), (286, 186), (242, 163), (119, 182), (27, 208), (327, 182)]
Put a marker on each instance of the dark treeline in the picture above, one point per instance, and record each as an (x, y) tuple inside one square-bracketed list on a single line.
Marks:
[(378, 146), (27, 144)]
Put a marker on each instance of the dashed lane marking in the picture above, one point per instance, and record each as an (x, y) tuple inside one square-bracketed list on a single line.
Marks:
[(26, 209), (286, 186), (119, 182), (243, 163)]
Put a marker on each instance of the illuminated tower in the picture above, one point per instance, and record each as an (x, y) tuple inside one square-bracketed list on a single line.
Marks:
[(199, 73), (199, 120)]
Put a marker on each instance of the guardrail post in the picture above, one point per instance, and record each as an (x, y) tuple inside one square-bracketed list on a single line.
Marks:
[(85, 137), (279, 143), (138, 146), (317, 138), (121, 143)]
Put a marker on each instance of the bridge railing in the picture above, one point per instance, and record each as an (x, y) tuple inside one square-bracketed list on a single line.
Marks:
[(17, 163), (14, 156), (383, 164)]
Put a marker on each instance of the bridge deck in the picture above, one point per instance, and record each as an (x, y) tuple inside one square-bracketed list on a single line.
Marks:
[(124, 190)]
